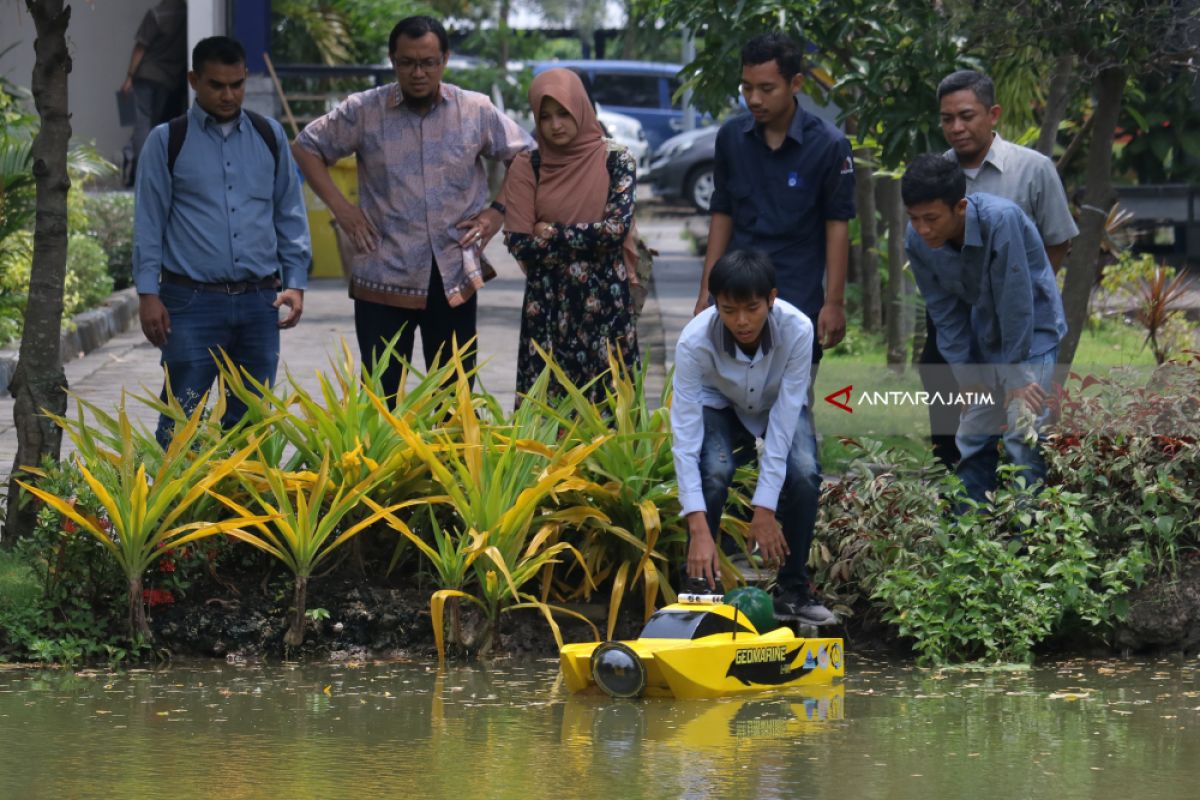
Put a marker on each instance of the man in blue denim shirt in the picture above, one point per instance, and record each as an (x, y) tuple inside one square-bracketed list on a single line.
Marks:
[(988, 285), (742, 370), (221, 239)]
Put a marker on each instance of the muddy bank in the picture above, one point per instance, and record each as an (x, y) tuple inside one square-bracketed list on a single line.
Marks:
[(1164, 615), (361, 618)]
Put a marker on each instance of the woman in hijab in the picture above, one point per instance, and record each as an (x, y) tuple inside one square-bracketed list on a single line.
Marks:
[(569, 222)]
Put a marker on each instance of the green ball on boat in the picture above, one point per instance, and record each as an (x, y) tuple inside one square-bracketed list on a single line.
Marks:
[(756, 605)]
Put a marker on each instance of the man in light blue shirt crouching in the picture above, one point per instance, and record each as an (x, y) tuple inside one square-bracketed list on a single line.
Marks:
[(742, 371), (982, 268), (221, 238)]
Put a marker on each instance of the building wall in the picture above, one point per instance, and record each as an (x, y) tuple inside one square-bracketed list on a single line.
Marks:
[(101, 38)]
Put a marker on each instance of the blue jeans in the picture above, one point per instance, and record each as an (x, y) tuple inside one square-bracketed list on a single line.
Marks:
[(245, 326), (728, 445), (979, 432)]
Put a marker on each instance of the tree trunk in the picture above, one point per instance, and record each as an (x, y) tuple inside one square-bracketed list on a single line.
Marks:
[(295, 633), (1057, 100), (896, 331), (1074, 145), (864, 189), (629, 43), (502, 32), (139, 628), (1098, 198), (39, 382), (916, 320)]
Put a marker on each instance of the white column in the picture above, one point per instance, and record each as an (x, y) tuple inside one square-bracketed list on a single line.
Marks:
[(205, 18)]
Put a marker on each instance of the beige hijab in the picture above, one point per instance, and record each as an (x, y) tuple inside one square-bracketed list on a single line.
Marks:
[(573, 181)]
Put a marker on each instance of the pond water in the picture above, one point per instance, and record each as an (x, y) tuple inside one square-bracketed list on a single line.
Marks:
[(1077, 729)]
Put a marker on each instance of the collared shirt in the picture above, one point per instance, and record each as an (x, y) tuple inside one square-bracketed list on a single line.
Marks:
[(163, 37), (1030, 180), (994, 301), (227, 214), (767, 392), (781, 199), (418, 177)]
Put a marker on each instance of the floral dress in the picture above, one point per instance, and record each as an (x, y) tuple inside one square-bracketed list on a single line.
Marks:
[(577, 302)]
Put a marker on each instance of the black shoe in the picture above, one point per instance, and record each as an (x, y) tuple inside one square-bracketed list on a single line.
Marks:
[(800, 606)]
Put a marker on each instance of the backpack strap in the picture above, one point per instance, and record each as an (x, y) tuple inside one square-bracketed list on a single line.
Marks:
[(535, 161), (268, 135), (177, 132)]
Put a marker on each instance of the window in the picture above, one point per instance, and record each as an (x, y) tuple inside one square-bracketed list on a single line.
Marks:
[(637, 91), (689, 625)]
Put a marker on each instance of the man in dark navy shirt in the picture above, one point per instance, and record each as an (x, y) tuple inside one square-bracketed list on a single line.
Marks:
[(785, 186)]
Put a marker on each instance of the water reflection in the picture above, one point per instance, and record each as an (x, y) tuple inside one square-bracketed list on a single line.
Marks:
[(597, 721), (1070, 730)]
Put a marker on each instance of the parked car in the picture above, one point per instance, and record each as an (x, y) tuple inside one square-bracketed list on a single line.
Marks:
[(629, 132), (621, 128), (643, 90), (683, 167)]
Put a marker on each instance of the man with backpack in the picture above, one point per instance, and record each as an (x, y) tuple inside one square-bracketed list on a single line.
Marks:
[(221, 240)]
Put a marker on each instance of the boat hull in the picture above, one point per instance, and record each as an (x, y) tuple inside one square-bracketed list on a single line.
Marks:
[(719, 665)]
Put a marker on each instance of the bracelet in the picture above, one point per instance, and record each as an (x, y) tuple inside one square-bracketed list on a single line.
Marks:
[(498, 206)]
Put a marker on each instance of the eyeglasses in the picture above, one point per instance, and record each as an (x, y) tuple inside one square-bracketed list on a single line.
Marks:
[(425, 64)]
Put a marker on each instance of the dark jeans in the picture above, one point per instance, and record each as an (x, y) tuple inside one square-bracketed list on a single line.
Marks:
[(984, 425), (727, 446), (153, 104), (943, 418), (376, 324), (245, 326)]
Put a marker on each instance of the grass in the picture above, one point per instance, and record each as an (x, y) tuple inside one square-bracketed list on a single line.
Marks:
[(1113, 342), (906, 425)]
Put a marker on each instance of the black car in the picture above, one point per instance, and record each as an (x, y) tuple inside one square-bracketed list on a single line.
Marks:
[(682, 168)]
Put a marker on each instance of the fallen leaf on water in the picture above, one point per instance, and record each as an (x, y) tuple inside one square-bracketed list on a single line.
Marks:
[(328, 690)]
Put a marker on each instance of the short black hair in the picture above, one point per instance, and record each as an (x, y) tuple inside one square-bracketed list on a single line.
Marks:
[(415, 27), (221, 49), (979, 84), (742, 275), (777, 47), (932, 176)]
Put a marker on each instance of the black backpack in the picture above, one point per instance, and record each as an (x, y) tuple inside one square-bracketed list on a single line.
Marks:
[(177, 132)]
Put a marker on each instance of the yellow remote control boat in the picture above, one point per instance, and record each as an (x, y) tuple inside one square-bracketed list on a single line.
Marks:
[(701, 647)]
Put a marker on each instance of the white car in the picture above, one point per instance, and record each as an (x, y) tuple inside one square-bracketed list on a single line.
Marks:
[(621, 128), (628, 131)]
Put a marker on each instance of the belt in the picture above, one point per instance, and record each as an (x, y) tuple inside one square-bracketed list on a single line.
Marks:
[(223, 287)]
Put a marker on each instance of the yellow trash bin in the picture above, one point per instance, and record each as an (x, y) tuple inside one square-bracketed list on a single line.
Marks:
[(327, 259)]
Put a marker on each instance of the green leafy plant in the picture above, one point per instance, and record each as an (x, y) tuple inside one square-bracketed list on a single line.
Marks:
[(143, 509), (886, 504), (1129, 442), (495, 477), (300, 522), (58, 585), (968, 594), (631, 497), (1156, 294), (110, 224)]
